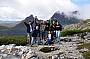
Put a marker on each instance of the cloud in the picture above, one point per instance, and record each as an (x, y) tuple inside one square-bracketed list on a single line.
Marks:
[(85, 12), (43, 9)]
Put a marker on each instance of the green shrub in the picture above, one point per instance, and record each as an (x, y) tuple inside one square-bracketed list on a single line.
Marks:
[(72, 32), (18, 40), (86, 30)]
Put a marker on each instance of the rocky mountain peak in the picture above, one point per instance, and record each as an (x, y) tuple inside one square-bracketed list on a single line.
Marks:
[(65, 19)]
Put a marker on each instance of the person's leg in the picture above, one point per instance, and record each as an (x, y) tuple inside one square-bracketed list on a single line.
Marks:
[(56, 36), (43, 34), (43, 41), (37, 41), (28, 38), (52, 36), (56, 33), (32, 41), (49, 41), (59, 36)]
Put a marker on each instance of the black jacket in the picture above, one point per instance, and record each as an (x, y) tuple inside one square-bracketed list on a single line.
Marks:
[(58, 27), (36, 32), (46, 27), (28, 27)]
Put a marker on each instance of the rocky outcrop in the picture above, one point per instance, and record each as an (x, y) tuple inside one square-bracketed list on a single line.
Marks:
[(65, 19), (81, 26)]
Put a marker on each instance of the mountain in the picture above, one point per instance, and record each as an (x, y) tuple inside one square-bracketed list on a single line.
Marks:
[(64, 19), (19, 29), (81, 26), (9, 23), (3, 27), (21, 24)]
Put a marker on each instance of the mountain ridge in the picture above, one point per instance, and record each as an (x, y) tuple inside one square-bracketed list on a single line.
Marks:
[(65, 19), (20, 28), (79, 26)]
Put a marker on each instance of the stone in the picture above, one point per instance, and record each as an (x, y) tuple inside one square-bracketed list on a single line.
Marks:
[(1, 57)]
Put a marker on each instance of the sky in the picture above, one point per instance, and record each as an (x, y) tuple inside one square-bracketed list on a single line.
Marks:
[(17, 10), (81, 2)]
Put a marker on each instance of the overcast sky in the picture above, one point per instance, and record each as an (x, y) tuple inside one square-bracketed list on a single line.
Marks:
[(16, 10)]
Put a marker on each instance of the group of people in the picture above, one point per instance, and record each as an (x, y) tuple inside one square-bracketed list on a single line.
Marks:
[(46, 32)]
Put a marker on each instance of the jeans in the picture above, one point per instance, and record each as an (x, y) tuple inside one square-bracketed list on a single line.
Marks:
[(35, 40), (58, 36), (29, 38), (54, 32), (49, 41)]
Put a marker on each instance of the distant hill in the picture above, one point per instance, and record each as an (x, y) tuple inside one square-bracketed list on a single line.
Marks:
[(82, 25), (19, 29), (3, 27), (21, 24), (64, 19), (9, 23)]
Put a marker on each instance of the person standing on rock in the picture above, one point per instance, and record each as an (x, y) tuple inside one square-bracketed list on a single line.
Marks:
[(49, 38), (58, 29), (36, 32), (37, 28), (29, 31), (43, 34), (53, 31)]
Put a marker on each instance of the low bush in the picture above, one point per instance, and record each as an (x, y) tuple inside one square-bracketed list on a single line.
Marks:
[(86, 30), (72, 32), (18, 40)]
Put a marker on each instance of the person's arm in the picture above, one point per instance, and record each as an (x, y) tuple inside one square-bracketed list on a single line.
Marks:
[(60, 27), (26, 24), (32, 22)]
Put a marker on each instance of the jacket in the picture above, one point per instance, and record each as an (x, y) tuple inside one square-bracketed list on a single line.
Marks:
[(28, 27)]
